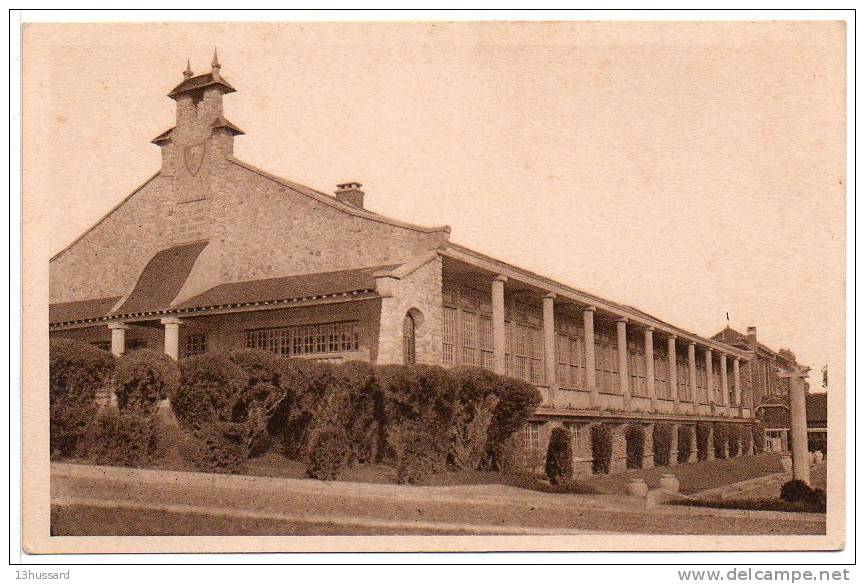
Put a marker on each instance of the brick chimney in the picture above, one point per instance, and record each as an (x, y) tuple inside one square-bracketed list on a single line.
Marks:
[(350, 194), (752, 338)]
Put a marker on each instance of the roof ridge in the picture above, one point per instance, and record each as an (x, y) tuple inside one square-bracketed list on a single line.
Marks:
[(333, 202)]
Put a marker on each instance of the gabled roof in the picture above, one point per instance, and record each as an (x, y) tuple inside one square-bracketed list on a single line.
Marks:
[(221, 122), (81, 310), (162, 278), (730, 335), (200, 82), (288, 287), (163, 137)]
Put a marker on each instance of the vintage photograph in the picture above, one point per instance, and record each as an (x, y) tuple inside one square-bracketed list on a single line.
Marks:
[(551, 285)]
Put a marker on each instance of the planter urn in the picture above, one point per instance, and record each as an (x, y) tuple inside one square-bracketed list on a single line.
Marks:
[(637, 487), (669, 482), (818, 456)]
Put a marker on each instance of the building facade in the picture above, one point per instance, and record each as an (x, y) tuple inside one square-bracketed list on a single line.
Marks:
[(212, 253)]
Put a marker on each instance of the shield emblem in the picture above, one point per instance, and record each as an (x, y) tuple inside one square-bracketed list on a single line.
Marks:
[(193, 156)]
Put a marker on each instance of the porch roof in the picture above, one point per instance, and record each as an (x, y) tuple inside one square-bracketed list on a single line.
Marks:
[(81, 309)]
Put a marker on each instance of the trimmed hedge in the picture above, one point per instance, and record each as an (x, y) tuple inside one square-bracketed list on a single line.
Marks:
[(559, 466), (759, 436), (77, 372), (734, 440), (662, 443), (602, 448), (683, 444), (330, 454), (719, 439), (704, 430), (119, 438), (635, 445), (144, 378), (477, 394), (517, 401)]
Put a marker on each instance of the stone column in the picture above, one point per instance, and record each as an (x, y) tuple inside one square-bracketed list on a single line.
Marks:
[(710, 388), (799, 426), (692, 374), (737, 388), (172, 336), (674, 445), (672, 371), (550, 345), (499, 324), (725, 392), (649, 351), (118, 337), (589, 347), (622, 346)]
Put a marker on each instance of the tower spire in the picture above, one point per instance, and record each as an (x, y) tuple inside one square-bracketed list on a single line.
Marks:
[(188, 73), (215, 66)]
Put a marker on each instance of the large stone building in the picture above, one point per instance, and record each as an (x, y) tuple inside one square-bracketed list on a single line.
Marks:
[(212, 253)]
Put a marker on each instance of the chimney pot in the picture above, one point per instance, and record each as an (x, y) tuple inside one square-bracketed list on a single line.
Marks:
[(350, 194)]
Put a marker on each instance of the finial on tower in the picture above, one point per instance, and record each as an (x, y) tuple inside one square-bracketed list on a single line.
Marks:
[(215, 66), (188, 73)]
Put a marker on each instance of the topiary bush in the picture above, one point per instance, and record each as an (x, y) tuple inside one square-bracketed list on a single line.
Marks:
[(209, 385), (719, 439), (119, 438), (662, 442), (329, 455), (759, 436), (635, 445), (683, 445), (559, 466), (602, 448), (263, 391), (747, 439), (517, 402), (794, 491), (514, 458), (76, 373), (704, 430), (734, 440), (142, 379)]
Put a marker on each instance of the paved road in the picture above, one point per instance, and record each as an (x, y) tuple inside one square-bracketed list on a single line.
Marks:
[(292, 506)]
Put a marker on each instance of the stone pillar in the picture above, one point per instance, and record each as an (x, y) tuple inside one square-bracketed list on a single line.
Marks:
[(499, 324), (693, 435), (799, 426), (674, 445), (725, 391), (649, 446), (710, 386), (589, 346), (737, 387), (649, 351), (172, 336), (692, 374), (622, 346), (710, 451), (550, 344), (672, 371), (118, 337)]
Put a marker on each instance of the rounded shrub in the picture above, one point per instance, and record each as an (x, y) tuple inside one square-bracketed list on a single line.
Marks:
[(208, 388), (794, 491), (662, 442), (559, 466), (683, 444), (330, 453), (734, 440), (704, 430), (514, 458), (142, 379), (635, 445), (77, 372), (119, 438), (719, 439), (216, 447), (602, 448), (262, 393), (759, 437), (517, 402), (477, 397)]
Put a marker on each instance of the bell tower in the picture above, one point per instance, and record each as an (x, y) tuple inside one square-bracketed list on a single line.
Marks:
[(202, 137)]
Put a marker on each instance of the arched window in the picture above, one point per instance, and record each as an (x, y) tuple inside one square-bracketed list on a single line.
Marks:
[(408, 339)]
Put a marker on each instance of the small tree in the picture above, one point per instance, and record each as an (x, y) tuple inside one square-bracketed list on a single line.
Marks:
[(734, 440), (662, 441), (759, 436), (330, 454), (559, 466), (602, 448), (704, 430), (635, 445), (683, 444), (719, 439)]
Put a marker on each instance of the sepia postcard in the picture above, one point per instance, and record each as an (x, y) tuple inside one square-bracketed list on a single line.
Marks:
[(434, 286)]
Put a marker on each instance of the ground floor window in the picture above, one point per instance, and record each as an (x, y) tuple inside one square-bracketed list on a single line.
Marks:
[(306, 339), (579, 437), (408, 340), (533, 436), (776, 440), (196, 344)]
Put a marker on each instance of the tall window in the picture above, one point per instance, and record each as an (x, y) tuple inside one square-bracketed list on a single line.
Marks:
[(533, 436), (661, 369), (450, 337), (683, 377), (296, 341), (408, 339), (468, 327), (570, 354), (606, 358), (637, 365)]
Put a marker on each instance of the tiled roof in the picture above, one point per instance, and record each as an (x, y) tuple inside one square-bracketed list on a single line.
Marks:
[(221, 122), (288, 287), (81, 309), (163, 137), (200, 82), (162, 279)]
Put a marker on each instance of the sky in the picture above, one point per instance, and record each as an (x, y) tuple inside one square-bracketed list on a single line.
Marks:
[(691, 170)]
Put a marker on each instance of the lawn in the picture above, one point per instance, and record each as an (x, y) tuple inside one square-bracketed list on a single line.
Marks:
[(693, 477)]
